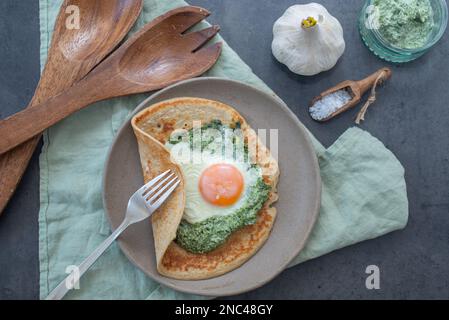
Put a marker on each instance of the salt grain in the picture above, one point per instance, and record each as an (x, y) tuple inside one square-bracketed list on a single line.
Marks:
[(324, 107)]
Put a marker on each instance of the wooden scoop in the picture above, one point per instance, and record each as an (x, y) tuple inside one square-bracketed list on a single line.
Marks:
[(355, 88), (72, 55), (158, 55)]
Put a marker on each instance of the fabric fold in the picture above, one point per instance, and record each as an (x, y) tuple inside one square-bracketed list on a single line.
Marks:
[(364, 193)]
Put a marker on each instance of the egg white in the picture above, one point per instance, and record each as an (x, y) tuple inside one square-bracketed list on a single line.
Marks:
[(193, 163)]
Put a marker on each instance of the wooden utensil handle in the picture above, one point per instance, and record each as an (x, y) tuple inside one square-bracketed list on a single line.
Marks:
[(367, 83), (12, 168), (30, 122)]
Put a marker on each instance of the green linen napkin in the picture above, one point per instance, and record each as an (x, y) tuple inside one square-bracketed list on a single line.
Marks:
[(364, 192)]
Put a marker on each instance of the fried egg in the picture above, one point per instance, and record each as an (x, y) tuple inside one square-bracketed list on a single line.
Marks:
[(215, 184)]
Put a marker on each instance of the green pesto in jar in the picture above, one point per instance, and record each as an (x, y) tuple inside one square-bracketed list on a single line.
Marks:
[(406, 24)]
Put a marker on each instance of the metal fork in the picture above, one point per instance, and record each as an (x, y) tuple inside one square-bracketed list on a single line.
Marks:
[(142, 204)]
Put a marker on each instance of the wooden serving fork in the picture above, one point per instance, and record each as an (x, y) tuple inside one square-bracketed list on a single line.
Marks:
[(72, 55), (160, 54)]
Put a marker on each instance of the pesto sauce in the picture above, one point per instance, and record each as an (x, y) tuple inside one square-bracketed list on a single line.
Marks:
[(207, 235), (405, 23), (214, 124)]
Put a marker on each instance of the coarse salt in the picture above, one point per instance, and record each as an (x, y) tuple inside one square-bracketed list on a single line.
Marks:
[(324, 107)]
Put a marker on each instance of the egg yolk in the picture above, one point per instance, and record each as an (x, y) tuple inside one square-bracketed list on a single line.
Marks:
[(221, 184)]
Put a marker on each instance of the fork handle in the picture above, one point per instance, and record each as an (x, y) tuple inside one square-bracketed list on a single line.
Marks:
[(61, 290)]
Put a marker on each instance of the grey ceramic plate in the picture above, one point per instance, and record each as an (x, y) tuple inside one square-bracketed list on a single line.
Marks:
[(299, 188)]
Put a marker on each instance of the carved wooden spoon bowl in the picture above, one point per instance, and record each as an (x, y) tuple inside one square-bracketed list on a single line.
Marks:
[(72, 55), (158, 55), (102, 23)]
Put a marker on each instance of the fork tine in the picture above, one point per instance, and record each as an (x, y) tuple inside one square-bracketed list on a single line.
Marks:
[(205, 57), (209, 53), (153, 181), (194, 40), (154, 196), (149, 194), (187, 17), (161, 200)]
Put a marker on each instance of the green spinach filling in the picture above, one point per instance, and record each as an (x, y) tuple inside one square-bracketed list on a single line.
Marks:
[(207, 139), (207, 235)]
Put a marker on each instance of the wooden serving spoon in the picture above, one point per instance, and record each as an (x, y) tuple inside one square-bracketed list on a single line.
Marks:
[(72, 55), (355, 88), (158, 55)]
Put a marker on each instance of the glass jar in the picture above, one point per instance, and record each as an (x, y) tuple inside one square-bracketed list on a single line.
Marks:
[(380, 46)]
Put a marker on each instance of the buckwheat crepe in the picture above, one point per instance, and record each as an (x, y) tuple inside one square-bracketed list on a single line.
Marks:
[(153, 127)]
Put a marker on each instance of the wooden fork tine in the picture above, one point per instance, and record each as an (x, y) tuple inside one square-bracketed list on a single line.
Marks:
[(186, 18), (209, 54), (195, 40)]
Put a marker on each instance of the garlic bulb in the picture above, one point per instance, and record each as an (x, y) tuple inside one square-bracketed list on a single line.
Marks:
[(308, 39)]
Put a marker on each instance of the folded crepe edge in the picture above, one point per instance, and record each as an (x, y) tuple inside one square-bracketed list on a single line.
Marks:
[(172, 260), (172, 210)]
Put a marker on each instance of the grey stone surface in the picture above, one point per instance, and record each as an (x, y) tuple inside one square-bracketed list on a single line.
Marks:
[(410, 117), (19, 74)]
